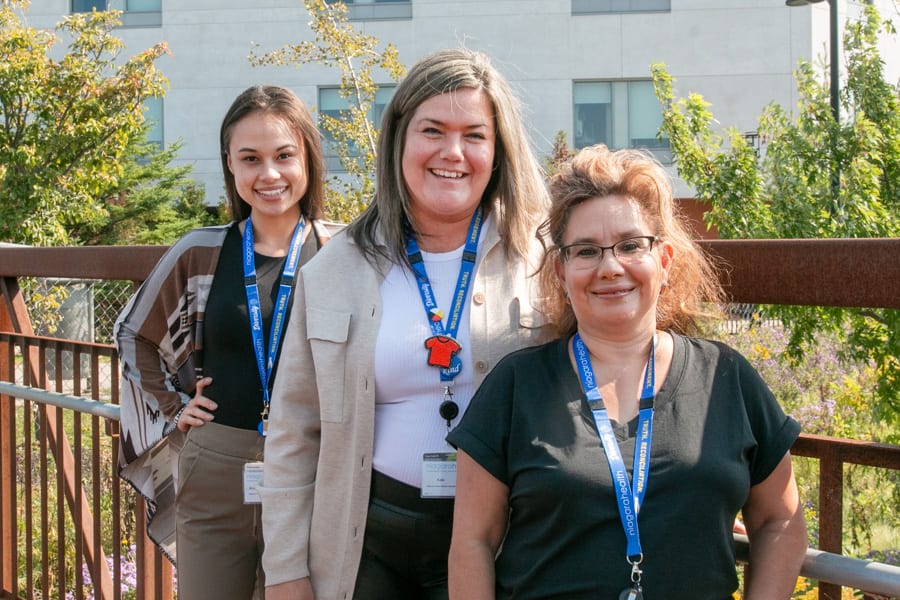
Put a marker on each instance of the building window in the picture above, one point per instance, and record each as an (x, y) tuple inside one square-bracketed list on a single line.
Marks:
[(153, 118), (143, 5), (377, 10), (135, 13), (80, 6), (591, 7), (139, 13), (331, 103), (620, 114)]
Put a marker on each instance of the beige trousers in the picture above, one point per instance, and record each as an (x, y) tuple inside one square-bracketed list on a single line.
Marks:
[(219, 538)]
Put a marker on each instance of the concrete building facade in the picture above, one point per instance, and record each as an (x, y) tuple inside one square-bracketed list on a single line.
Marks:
[(579, 66)]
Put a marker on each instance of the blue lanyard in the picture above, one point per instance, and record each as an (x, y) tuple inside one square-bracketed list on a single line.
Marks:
[(443, 345), (629, 500), (265, 360)]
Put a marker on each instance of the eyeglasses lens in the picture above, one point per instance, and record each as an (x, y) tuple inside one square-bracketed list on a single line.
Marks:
[(628, 251)]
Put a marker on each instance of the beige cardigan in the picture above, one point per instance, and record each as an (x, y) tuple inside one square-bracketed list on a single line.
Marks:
[(319, 447)]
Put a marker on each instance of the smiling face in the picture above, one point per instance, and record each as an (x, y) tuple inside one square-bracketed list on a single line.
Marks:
[(447, 157), (268, 161), (613, 299)]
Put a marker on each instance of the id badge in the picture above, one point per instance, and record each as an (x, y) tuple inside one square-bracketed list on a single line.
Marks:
[(635, 592), (253, 474), (439, 475)]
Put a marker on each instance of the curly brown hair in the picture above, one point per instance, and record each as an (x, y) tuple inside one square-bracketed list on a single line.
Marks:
[(693, 289)]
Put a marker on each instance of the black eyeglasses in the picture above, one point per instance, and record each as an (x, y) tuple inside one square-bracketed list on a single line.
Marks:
[(584, 255)]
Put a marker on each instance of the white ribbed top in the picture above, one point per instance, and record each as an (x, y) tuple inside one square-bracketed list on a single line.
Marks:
[(408, 391)]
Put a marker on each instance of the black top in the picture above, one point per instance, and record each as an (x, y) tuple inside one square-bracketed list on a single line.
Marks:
[(228, 355), (717, 430)]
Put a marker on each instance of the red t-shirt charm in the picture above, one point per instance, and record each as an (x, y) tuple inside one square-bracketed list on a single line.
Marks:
[(441, 348)]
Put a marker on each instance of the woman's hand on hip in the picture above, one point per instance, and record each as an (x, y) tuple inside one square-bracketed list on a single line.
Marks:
[(199, 411)]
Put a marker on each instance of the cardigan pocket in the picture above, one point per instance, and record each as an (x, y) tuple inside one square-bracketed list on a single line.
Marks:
[(327, 332)]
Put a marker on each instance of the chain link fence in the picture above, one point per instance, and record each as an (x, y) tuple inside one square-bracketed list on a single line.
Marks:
[(86, 310), (77, 309), (80, 310)]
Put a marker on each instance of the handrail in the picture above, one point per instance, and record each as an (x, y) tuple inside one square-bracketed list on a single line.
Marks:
[(859, 452), (868, 575), (78, 403), (847, 272), (850, 272)]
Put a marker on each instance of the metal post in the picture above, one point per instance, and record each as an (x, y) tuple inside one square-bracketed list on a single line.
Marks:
[(834, 83), (835, 42)]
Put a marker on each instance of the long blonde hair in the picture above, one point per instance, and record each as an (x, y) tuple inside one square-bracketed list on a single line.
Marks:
[(693, 288)]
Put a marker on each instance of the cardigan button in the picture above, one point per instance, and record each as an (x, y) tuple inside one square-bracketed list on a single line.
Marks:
[(481, 366), (478, 298)]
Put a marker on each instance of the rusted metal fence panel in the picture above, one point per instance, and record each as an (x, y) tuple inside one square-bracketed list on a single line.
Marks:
[(822, 272), (69, 526)]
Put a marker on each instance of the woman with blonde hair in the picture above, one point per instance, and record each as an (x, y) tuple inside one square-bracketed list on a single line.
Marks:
[(427, 291)]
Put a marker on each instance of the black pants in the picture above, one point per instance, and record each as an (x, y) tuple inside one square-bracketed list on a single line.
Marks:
[(405, 546)]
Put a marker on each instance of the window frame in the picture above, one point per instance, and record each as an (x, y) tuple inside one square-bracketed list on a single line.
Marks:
[(74, 11), (131, 17), (376, 112), (377, 10), (154, 118), (618, 130), (599, 7)]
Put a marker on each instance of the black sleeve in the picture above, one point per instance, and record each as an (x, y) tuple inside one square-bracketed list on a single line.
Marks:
[(774, 431), (483, 432)]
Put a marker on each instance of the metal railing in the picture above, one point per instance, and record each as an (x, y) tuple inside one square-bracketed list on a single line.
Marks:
[(825, 567), (863, 273), (868, 576), (69, 527)]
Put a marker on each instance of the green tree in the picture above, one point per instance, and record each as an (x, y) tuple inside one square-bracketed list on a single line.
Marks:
[(65, 124), (338, 44), (153, 203), (788, 192), (559, 154)]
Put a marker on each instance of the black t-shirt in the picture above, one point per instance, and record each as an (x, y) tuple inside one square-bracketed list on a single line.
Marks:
[(717, 430), (228, 355)]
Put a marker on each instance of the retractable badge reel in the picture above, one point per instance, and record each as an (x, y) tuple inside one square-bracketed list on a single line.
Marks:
[(448, 409)]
